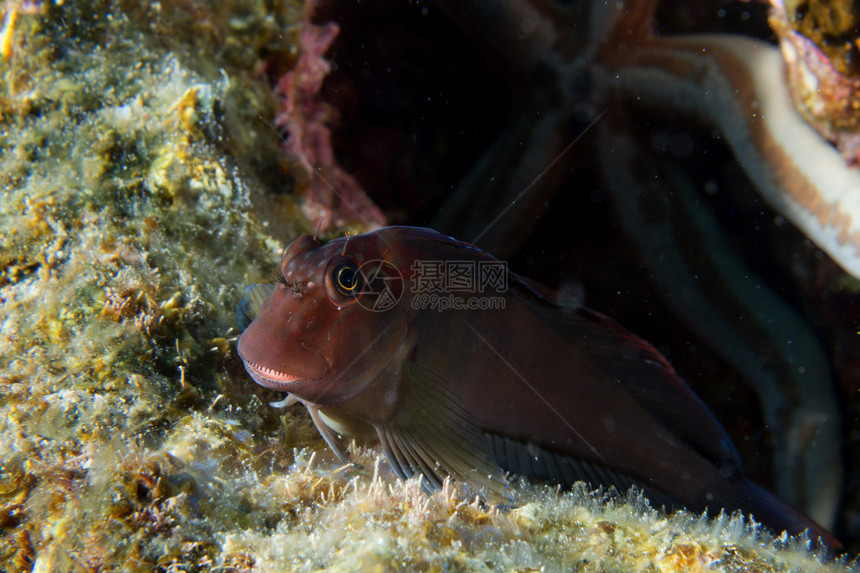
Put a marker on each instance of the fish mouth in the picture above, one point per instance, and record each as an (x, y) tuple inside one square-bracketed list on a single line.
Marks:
[(271, 378)]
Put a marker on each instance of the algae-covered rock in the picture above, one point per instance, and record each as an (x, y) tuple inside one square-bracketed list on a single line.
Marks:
[(143, 188), (127, 236)]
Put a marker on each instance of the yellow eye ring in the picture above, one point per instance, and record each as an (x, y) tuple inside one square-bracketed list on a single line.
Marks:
[(347, 279)]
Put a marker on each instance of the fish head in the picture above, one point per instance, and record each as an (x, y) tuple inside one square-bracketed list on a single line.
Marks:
[(322, 334)]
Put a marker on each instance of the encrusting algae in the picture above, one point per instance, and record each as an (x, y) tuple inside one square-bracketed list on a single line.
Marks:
[(141, 192)]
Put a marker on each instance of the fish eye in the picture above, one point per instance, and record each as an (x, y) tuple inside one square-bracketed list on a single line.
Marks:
[(347, 279)]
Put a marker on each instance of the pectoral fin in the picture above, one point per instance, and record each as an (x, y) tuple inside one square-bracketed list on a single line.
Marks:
[(431, 435), (288, 401), (329, 435)]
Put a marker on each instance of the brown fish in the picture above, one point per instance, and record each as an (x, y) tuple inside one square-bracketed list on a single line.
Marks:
[(506, 378)]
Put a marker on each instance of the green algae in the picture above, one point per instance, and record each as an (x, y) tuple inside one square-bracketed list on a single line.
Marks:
[(141, 192)]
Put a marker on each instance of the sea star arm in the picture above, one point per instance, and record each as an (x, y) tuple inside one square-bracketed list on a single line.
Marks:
[(738, 85)]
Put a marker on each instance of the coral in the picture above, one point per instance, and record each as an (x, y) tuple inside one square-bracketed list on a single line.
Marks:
[(834, 26), (141, 193), (333, 196), (820, 42)]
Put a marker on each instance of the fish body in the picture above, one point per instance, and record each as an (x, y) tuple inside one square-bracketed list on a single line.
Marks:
[(530, 386)]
